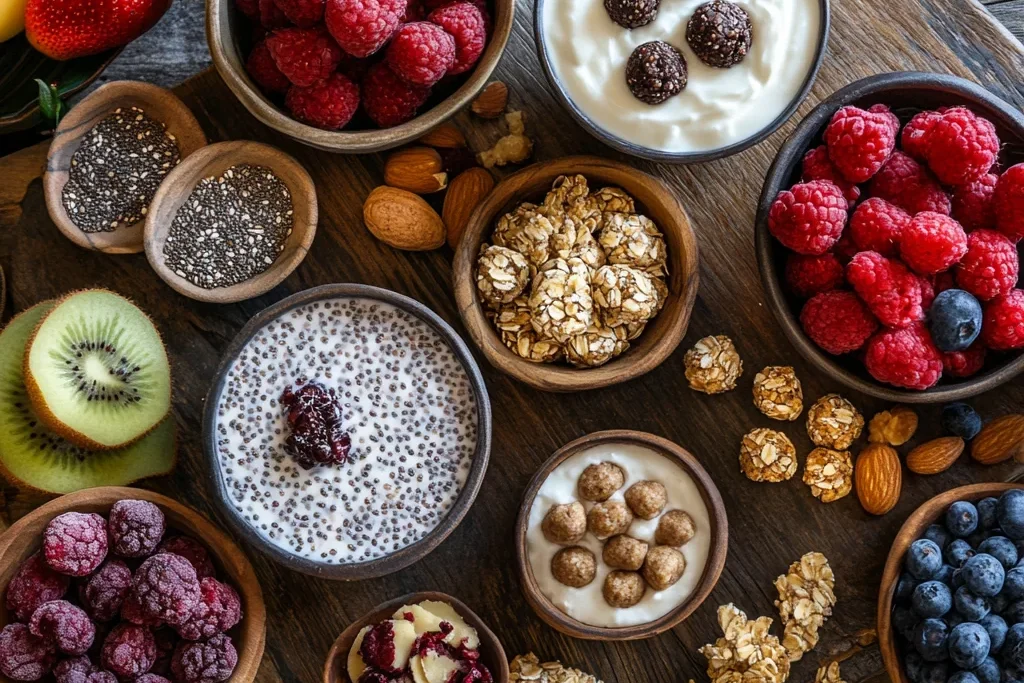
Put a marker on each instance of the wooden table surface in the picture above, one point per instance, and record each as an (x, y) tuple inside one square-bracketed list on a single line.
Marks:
[(771, 525)]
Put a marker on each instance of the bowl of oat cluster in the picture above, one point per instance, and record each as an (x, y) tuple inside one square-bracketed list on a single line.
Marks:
[(348, 430)]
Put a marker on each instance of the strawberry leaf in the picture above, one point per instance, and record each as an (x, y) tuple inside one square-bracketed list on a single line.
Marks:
[(50, 103)]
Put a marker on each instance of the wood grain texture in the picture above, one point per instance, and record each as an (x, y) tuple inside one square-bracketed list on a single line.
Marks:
[(770, 525)]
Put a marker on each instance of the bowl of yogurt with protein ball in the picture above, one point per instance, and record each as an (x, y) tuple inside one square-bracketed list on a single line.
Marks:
[(681, 81), (348, 431)]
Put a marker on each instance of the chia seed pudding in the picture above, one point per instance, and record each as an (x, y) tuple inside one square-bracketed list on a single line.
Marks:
[(407, 405)]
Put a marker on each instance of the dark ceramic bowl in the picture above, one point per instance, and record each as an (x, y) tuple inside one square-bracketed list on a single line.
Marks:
[(633, 149), (906, 93), (410, 554)]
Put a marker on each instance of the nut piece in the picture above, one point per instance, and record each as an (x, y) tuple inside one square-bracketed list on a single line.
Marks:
[(895, 426), (560, 302), (829, 474), (598, 482), (402, 220), (878, 478), (778, 393), (416, 169), (492, 100), (528, 668), (999, 440), (713, 365), (464, 193), (513, 323), (646, 499), (574, 567), (511, 149), (806, 597), (501, 275), (445, 136), (833, 422), (596, 346), (747, 652), (624, 552), (608, 519), (675, 529), (663, 567), (829, 674), (565, 524), (624, 295), (767, 455), (623, 589), (633, 240), (935, 456)]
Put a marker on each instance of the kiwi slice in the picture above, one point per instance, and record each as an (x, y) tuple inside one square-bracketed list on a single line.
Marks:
[(33, 456), (96, 371)]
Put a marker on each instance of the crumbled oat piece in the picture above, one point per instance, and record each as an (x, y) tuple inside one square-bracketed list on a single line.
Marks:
[(596, 346), (501, 275), (833, 422), (574, 240), (713, 365), (767, 455), (829, 473), (529, 668), (829, 674), (747, 652), (778, 393), (633, 240), (806, 597), (624, 295), (895, 426), (561, 305), (512, 148), (527, 230), (614, 200)]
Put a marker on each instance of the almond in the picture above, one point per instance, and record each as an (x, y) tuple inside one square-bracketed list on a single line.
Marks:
[(935, 456), (445, 136), (464, 194), (491, 102), (999, 440), (878, 478), (402, 219), (416, 169)]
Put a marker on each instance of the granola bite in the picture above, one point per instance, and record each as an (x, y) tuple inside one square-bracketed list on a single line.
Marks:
[(631, 239), (895, 426), (565, 524), (624, 552), (501, 275), (575, 567), (625, 295), (560, 302), (614, 200), (806, 597), (647, 499), (747, 651), (527, 230), (663, 567), (574, 239), (529, 668), (829, 473), (570, 196), (767, 455), (623, 589), (834, 423), (675, 529), (713, 365), (609, 519), (596, 346), (778, 393), (513, 324), (598, 482)]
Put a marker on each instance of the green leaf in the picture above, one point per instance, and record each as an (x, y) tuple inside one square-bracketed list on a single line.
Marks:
[(50, 103)]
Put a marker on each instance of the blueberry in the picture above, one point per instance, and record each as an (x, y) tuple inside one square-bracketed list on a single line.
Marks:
[(945, 575), (1014, 613), (936, 673), (905, 586), (904, 621), (953, 619), (930, 640), (962, 519), (999, 602), (996, 628), (984, 575), (924, 559), (1013, 647), (1020, 551), (913, 666), (1010, 513), (1013, 584), (932, 599), (963, 677), (970, 606), (954, 320), (979, 536), (987, 512), (959, 419), (958, 551), (988, 672), (1001, 548), (968, 645), (938, 534)]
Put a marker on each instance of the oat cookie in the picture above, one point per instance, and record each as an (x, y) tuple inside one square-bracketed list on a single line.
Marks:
[(747, 652), (527, 230), (624, 295), (713, 365), (834, 423), (767, 455), (778, 393), (633, 240), (829, 473), (501, 275), (560, 300), (806, 598)]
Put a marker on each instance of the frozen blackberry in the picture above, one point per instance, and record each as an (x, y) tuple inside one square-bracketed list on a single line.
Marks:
[(128, 651), (34, 584), (632, 13), (103, 594), (209, 662), (655, 72), (167, 588), (23, 656), (720, 33), (75, 543), (64, 625), (193, 551), (136, 527), (218, 610)]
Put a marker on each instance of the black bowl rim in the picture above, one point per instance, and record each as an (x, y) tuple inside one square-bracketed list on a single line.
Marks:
[(410, 554), (633, 149), (791, 152)]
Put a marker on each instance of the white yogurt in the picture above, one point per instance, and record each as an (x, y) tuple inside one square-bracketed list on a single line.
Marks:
[(587, 604), (719, 107)]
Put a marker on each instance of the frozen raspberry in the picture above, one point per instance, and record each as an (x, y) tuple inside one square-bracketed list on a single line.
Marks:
[(66, 626), (915, 133), (128, 651), (990, 267), (304, 55), (302, 13), (250, 8), (817, 166), (859, 142), (892, 293), (1009, 201), (75, 670), (167, 640), (264, 71), (964, 363), (193, 551), (809, 218), (151, 678), (133, 611), (927, 293), (932, 243), (1002, 327), (974, 205), (876, 225), (105, 591), (167, 588), (75, 543), (329, 104), (136, 527), (464, 22), (271, 16), (837, 321), (218, 610), (389, 100), (809, 275), (904, 357), (421, 53), (960, 146), (23, 656), (104, 677), (362, 27), (34, 584), (845, 249), (209, 662), (905, 183)]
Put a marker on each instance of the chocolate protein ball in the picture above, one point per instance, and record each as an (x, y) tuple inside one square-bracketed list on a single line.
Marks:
[(655, 72), (609, 519), (623, 589), (719, 32), (663, 567), (675, 528), (598, 482), (646, 499), (624, 552), (574, 567), (632, 13), (565, 524)]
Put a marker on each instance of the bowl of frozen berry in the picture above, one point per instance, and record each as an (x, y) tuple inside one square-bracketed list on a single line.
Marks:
[(888, 235), (114, 583), (352, 76)]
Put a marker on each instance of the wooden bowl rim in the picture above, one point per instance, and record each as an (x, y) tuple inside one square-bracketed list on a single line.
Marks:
[(410, 554), (557, 377), (790, 154), (713, 567)]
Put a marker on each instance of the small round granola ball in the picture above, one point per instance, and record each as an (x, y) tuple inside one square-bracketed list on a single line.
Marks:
[(623, 589), (647, 499), (565, 524), (608, 519), (624, 552), (713, 365), (502, 274), (574, 567), (675, 529), (598, 482), (663, 567), (655, 72), (720, 33)]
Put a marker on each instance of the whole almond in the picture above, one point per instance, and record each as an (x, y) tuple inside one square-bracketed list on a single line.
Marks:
[(492, 100), (416, 169), (878, 478), (464, 194), (402, 219), (999, 440), (445, 136), (935, 456)]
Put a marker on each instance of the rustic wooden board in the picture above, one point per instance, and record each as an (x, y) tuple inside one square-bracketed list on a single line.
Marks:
[(771, 525)]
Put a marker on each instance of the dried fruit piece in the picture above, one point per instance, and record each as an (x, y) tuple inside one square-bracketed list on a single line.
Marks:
[(935, 456), (878, 478), (895, 426), (829, 473), (492, 100), (1000, 440)]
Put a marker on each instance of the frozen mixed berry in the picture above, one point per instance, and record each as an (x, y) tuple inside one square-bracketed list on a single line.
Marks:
[(720, 33), (271, 16), (329, 104), (136, 527), (1009, 202), (632, 13), (389, 100), (167, 640), (914, 137), (421, 53), (151, 678), (904, 357), (905, 183), (75, 543), (876, 225), (809, 218), (378, 647), (859, 142), (954, 320), (23, 656), (264, 71), (128, 651), (133, 611), (209, 662), (103, 593), (304, 55), (218, 610), (964, 363), (837, 321), (974, 203), (193, 551), (66, 626), (314, 418), (891, 292), (465, 23), (656, 71), (990, 267), (959, 146), (817, 166), (361, 27), (167, 588), (33, 584), (1003, 323), (81, 670), (302, 13), (932, 243), (810, 275)]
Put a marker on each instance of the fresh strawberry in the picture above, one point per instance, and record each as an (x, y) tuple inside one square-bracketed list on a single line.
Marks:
[(65, 29)]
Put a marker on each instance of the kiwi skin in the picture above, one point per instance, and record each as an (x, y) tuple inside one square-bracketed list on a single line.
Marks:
[(35, 395)]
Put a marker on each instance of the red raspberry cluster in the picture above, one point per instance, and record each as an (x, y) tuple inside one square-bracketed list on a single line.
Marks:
[(884, 219), (331, 59)]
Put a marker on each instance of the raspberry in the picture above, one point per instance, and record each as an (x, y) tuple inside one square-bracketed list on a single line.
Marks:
[(932, 243), (892, 119), (845, 249), (465, 23), (809, 275), (915, 133), (264, 71), (859, 142), (23, 656), (964, 363), (218, 610), (817, 166), (389, 100), (135, 527), (905, 183), (128, 651), (837, 321), (151, 678), (1009, 201), (76, 670), (904, 357), (75, 543), (329, 104), (193, 551), (250, 8), (876, 225), (974, 205), (990, 267), (105, 591), (960, 146), (421, 53), (133, 611), (1002, 327), (362, 27), (809, 218), (927, 293), (66, 626), (304, 55), (34, 584), (209, 662), (166, 588), (891, 292), (302, 13), (271, 16)]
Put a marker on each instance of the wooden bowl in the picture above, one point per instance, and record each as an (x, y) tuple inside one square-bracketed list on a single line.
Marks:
[(654, 199), (228, 31), (212, 161), (24, 538), (912, 530), (491, 651), (719, 531), (907, 93), (158, 103)]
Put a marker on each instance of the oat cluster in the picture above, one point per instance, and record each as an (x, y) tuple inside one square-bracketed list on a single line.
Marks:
[(767, 455), (833, 422), (894, 427), (829, 473), (713, 365), (806, 597), (829, 674), (528, 667), (778, 393), (747, 652)]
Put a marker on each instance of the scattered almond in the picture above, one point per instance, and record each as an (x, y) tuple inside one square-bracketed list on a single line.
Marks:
[(999, 440), (416, 169), (895, 426), (464, 194), (492, 100), (402, 219), (445, 136), (935, 456), (878, 478)]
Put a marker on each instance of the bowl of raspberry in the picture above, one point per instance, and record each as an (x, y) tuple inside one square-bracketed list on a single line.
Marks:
[(888, 235), (356, 76), (112, 583)]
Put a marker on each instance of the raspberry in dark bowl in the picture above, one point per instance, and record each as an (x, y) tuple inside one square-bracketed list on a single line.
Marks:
[(920, 157)]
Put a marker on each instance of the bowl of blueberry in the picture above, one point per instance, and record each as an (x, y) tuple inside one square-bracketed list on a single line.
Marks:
[(951, 604)]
